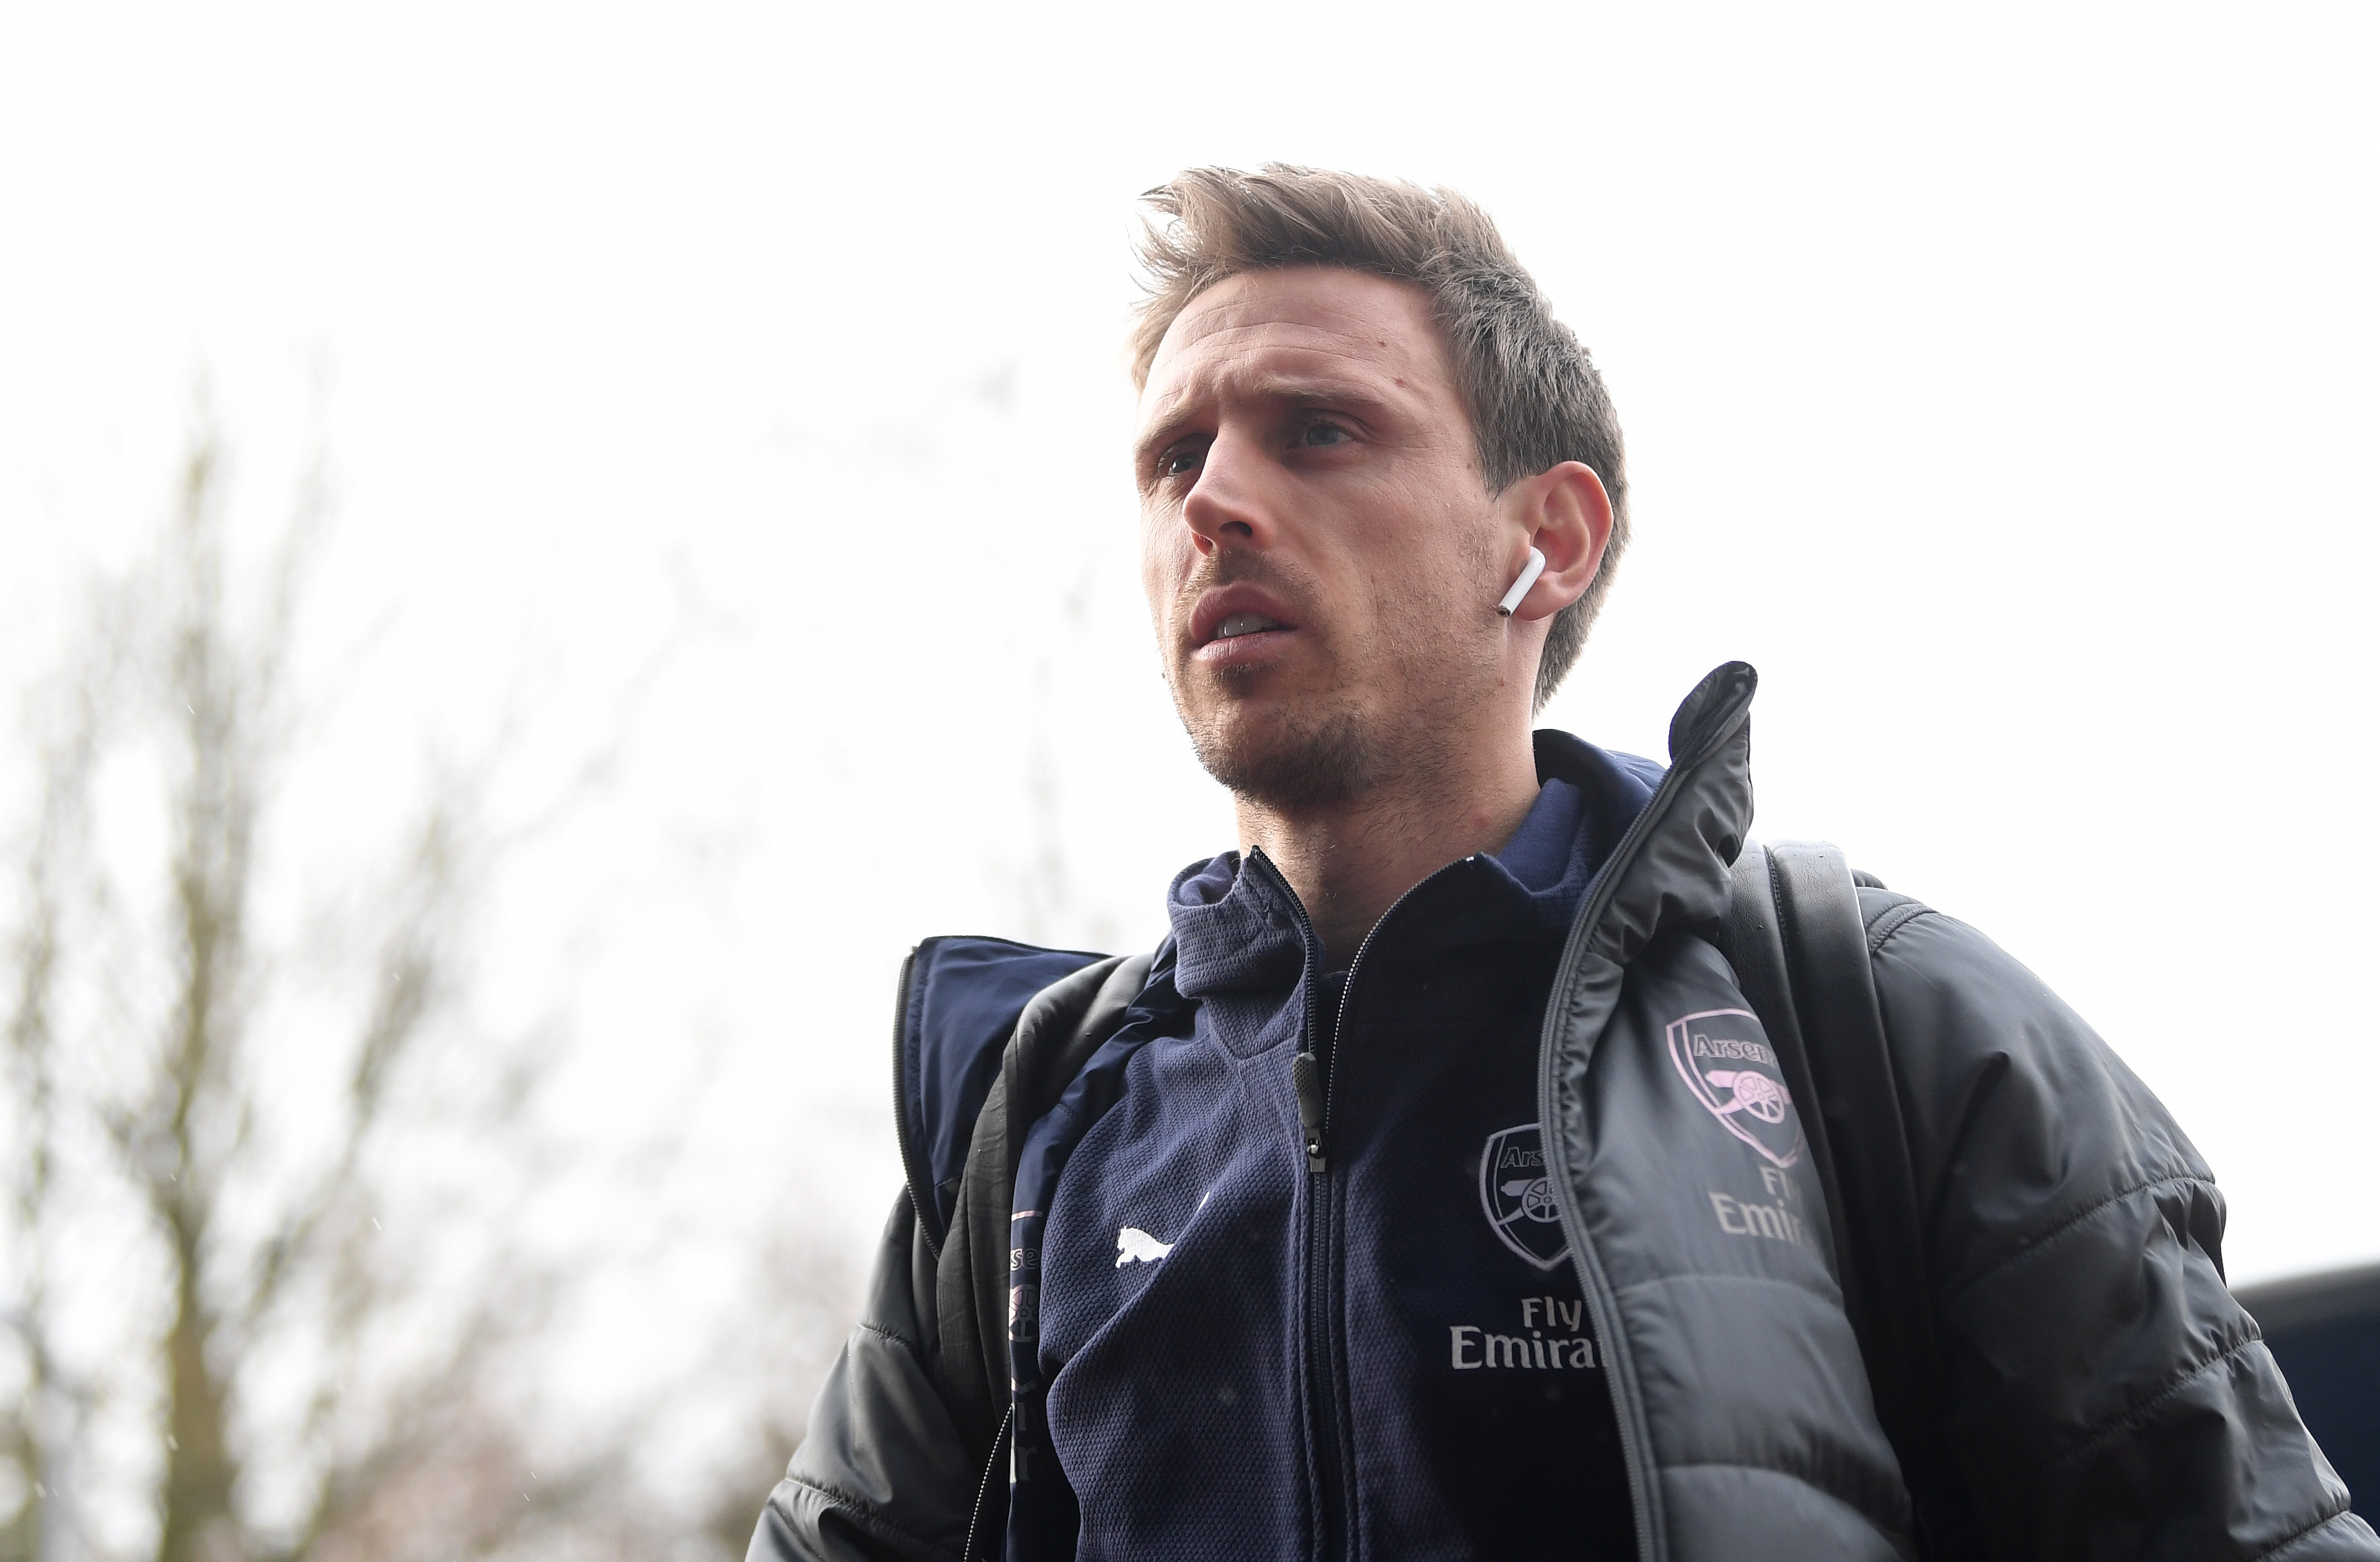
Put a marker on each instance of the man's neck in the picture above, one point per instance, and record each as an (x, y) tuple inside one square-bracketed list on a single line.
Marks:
[(1349, 860)]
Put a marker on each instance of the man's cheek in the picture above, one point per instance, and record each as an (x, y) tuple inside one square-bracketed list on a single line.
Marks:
[(1160, 583)]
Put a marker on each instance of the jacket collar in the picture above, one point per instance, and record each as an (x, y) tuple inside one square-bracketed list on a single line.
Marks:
[(1239, 932), (1670, 868)]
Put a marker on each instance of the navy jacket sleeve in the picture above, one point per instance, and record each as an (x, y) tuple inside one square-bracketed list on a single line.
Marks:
[(2107, 1396), (882, 1473)]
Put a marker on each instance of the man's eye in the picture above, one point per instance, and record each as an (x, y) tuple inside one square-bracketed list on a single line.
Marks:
[(1324, 434), (1175, 462)]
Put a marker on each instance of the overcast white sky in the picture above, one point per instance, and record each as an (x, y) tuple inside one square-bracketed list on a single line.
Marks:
[(2002, 385)]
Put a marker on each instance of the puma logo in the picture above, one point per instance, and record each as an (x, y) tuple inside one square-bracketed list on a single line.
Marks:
[(1135, 1246)]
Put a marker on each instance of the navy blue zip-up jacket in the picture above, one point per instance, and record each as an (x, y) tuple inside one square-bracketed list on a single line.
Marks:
[(1393, 1339)]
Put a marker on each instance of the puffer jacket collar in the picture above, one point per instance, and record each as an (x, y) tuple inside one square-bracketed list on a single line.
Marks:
[(1670, 868)]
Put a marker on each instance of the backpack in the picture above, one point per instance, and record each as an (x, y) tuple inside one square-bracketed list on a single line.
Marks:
[(1795, 933)]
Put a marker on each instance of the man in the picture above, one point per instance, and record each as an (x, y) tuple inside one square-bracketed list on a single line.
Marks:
[(1434, 1190)]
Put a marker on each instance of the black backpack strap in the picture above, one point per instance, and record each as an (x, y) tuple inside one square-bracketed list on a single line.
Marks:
[(1805, 962), (1055, 1035), (1755, 947)]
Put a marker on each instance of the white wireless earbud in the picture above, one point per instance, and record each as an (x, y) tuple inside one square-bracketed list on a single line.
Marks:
[(1529, 573)]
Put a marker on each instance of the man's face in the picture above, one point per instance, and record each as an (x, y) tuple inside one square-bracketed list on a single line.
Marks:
[(1320, 554)]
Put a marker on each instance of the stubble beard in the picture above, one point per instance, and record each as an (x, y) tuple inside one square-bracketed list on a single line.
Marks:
[(1329, 746), (1313, 757), (1320, 748), (1314, 751)]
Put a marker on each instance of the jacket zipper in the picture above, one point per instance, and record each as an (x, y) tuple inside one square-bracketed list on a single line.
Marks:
[(1307, 1074), (1310, 1073), (983, 1487), (1620, 1365)]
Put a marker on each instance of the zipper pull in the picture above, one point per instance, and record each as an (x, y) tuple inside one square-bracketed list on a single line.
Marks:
[(1305, 1073)]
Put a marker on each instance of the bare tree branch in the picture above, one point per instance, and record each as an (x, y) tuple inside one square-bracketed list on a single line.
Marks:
[(265, 1262), (46, 1406), (333, 1317)]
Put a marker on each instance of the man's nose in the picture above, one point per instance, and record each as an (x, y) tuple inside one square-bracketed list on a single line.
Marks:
[(1227, 505)]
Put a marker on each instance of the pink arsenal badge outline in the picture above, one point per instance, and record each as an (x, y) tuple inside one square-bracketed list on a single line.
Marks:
[(1727, 1063)]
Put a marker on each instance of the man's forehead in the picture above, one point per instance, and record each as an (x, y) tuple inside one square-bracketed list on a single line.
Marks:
[(1279, 326)]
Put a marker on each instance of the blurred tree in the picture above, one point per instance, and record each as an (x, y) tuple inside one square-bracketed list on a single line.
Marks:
[(257, 1257)]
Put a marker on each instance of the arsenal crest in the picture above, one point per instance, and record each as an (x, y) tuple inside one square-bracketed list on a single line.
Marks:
[(1726, 1060), (1518, 1198)]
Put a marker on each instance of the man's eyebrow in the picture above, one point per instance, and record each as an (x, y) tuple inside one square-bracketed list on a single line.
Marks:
[(1304, 392), (1168, 427)]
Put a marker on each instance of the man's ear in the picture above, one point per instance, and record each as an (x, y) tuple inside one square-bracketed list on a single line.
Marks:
[(1565, 515)]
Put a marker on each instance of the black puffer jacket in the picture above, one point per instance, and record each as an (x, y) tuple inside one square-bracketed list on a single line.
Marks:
[(2108, 1398)]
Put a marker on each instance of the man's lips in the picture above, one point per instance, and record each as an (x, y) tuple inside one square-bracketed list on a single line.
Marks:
[(1237, 622)]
